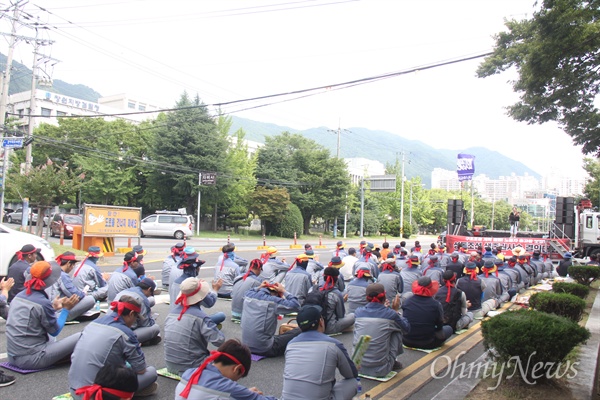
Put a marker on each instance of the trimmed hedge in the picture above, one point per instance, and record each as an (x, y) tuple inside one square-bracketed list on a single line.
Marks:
[(575, 289), (292, 222), (584, 274), (531, 338), (563, 304)]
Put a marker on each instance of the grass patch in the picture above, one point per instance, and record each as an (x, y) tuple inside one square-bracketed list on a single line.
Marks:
[(58, 249)]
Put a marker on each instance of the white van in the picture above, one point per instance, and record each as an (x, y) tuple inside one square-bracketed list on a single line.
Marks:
[(177, 226), (12, 241)]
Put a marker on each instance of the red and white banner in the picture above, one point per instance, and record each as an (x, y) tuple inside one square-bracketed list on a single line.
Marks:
[(529, 244)]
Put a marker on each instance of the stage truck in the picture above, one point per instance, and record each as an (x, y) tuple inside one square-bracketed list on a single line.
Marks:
[(576, 229)]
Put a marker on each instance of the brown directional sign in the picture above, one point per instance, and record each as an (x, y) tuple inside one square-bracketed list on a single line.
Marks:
[(208, 178)]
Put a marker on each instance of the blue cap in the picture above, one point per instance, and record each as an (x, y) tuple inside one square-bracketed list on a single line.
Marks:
[(567, 255)]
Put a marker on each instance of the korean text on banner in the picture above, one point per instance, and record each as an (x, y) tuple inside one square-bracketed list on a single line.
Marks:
[(465, 167)]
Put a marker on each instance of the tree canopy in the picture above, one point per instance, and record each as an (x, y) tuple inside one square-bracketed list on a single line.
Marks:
[(556, 56)]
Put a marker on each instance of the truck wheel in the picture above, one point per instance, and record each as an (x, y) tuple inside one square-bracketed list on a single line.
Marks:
[(596, 252), (179, 235), (142, 233), (9, 219)]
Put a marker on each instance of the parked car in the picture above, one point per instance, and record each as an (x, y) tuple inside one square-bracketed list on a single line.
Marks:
[(16, 216), (177, 226), (12, 241), (6, 212), (66, 220)]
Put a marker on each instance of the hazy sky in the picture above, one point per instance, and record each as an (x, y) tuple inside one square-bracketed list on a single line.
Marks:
[(226, 50)]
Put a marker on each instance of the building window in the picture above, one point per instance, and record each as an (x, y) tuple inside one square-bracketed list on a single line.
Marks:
[(46, 112), (131, 104), (20, 113), (142, 107), (61, 114)]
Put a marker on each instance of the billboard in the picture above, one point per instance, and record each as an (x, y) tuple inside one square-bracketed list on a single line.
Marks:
[(109, 221), (465, 167)]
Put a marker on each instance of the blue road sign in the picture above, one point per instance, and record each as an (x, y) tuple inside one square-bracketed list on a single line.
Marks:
[(12, 143)]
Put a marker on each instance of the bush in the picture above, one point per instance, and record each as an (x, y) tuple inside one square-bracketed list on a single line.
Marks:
[(532, 337), (576, 289), (563, 304), (292, 222), (584, 274)]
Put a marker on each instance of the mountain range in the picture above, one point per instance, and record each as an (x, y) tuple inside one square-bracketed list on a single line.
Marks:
[(378, 145)]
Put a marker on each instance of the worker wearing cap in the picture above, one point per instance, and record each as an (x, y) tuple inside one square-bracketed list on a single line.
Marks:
[(297, 280), (339, 250), (145, 327), (523, 262), (64, 287), (25, 257), (506, 280), (410, 275), (316, 380), (402, 260), (338, 263), (385, 327), (188, 329), (124, 277), (314, 267), (32, 318), (426, 316), (188, 253), (390, 278), (226, 271), (433, 269), (515, 273), (262, 305), (240, 261), (241, 285), (355, 294), (273, 269), (110, 340), (455, 265), (564, 264), (368, 259), (537, 263), (88, 277), (473, 287), (336, 318), (171, 262), (492, 286), (454, 303)]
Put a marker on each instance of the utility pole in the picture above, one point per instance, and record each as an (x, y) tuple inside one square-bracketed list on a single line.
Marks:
[(339, 134), (402, 197), (37, 58)]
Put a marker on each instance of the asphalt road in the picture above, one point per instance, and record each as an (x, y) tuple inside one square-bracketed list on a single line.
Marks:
[(266, 374)]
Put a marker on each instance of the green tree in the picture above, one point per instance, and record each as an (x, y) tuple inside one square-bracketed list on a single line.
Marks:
[(291, 222), (269, 205), (592, 187), (555, 54), (46, 185), (186, 142), (317, 183)]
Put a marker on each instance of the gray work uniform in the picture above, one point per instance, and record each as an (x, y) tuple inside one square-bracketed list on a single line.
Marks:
[(88, 274), (30, 331), (259, 321), (186, 340), (311, 361), (409, 275), (357, 293), (240, 287), (107, 342), (392, 282), (336, 319), (315, 269), (64, 287), (169, 264), (145, 327), (435, 273), (117, 283), (17, 271), (227, 270), (298, 283), (385, 327), (493, 289), (274, 270)]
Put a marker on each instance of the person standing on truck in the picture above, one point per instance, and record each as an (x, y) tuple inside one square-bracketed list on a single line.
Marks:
[(514, 218)]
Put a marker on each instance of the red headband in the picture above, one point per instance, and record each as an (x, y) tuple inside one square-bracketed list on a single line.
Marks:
[(361, 273), (380, 298), (195, 377), (119, 306), (329, 283), (427, 291), (183, 300), (387, 266), (94, 392), (38, 283), (20, 254), (256, 263), (60, 258)]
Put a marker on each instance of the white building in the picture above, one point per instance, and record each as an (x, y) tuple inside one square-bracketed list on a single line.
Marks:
[(362, 167)]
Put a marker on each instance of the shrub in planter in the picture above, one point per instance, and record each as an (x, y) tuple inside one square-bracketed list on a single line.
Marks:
[(576, 289), (584, 274), (533, 342), (563, 304)]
